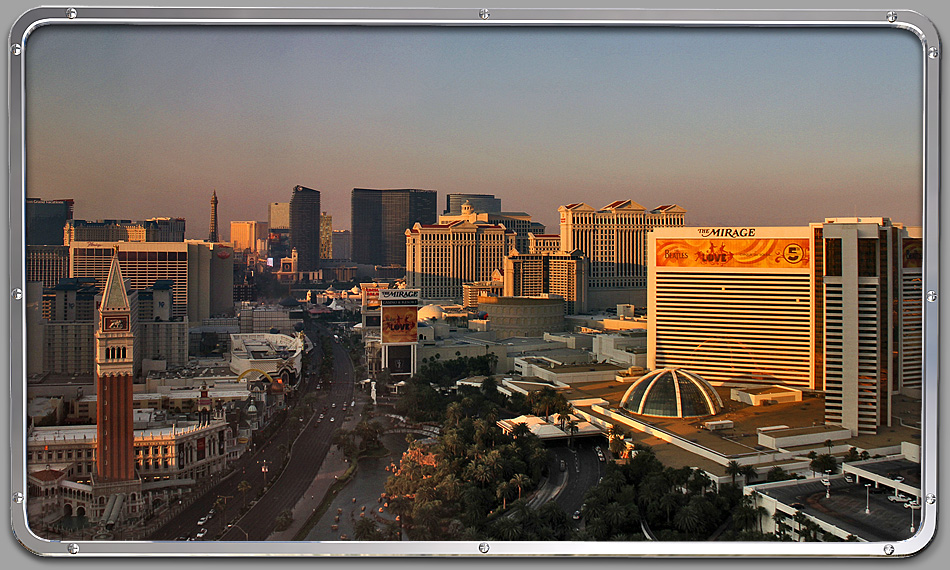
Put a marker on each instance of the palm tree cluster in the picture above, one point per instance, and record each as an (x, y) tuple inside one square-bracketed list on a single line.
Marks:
[(454, 488), (429, 391), (676, 504)]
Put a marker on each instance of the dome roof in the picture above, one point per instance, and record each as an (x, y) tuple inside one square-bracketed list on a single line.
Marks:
[(672, 393), (430, 312), (289, 302)]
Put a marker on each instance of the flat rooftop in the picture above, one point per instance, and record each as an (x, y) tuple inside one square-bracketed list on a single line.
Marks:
[(806, 416), (891, 468), (845, 508)]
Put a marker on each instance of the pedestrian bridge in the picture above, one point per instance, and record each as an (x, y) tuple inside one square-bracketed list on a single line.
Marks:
[(427, 430)]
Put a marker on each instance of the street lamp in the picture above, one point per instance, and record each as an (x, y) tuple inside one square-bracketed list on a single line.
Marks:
[(867, 499), (913, 506), (827, 483)]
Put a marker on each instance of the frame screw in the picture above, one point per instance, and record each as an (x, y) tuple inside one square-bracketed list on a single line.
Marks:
[(892, 17), (931, 498), (17, 293), (484, 14), (18, 497), (931, 296), (933, 53), (15, 49), (483, 547), (73, 548), (888, 549), (71, 13)]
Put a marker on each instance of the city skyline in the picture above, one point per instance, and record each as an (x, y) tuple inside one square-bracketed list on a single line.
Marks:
[(740, 127)]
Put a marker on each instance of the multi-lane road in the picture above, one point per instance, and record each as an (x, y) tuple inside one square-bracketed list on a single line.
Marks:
[(306, 456)]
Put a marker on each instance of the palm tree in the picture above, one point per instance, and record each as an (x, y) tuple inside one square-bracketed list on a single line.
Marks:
[(520, 480), (481, 474), (572, 429), (521, 429), (800, 519), (733, 468), (829, 444), (748, 472), (687, 519), (507, 528), (505, 491), (744, 516), (244, 487)]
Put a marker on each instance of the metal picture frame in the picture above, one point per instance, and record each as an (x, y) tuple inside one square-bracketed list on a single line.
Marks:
[(930, 55)]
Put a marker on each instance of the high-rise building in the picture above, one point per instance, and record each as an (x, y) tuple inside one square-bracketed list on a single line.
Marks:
[(733, 304), (152, 229), (615, 239), (45, 220), (480, 202), (248, 235), (560, 273), (213, 225), (326, 236), (342, 244), (47, 264), (441, 257), (834, 306), (380, 219), (116, 365), (305, 227), (66, 339), (278, 215), (870, 295), (202, 273), (518, 222)]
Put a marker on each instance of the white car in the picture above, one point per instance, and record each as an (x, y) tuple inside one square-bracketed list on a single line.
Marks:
[(901, 498), (202, 533), (203, 520), (332, 419)]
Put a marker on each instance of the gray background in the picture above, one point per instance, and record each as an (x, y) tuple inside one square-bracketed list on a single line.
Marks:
[(17, 557)]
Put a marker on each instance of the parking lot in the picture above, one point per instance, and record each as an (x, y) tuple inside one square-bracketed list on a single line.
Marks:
[(845, 508)]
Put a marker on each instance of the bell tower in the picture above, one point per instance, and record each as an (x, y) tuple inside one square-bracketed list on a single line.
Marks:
[(115, 369)]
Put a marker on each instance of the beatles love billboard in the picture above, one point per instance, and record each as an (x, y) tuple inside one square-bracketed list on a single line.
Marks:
[(400, 309)]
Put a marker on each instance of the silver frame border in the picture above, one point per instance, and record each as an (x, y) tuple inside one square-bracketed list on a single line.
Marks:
[(905, 19)]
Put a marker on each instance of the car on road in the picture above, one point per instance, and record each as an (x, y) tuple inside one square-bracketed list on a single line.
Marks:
[(899, 498), (201, 533), (333, 405), (849, 478), (576, 516), (332, 419), (321, 416), (203, 520), (563, 465)]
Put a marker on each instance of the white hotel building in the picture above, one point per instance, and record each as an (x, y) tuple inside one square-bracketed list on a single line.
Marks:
[(615, 240), (833, 306), (441, 257)]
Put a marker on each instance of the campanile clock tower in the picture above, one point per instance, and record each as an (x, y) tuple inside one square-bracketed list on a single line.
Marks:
[(115, 369)]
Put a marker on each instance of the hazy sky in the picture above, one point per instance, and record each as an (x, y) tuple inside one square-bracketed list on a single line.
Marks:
[(740, 127)]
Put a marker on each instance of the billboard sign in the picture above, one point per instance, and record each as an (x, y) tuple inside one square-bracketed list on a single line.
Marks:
[(400, 309), (751, 253), (913, 253), (399, 324), (371, 295)]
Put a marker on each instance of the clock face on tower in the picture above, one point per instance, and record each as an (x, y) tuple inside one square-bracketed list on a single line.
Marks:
[(113, 324)]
